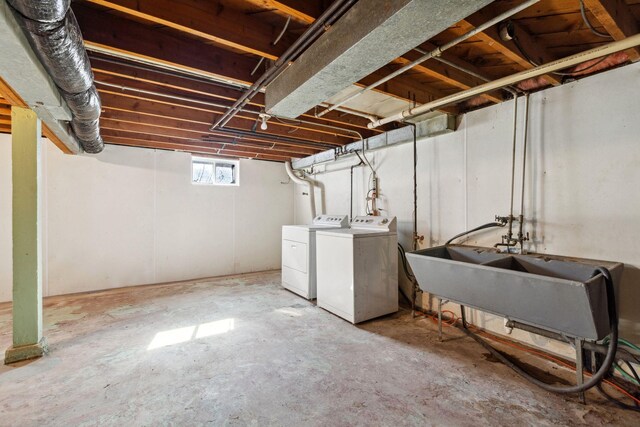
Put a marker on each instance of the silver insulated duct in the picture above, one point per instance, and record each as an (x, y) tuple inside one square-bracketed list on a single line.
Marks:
[(54, 35)]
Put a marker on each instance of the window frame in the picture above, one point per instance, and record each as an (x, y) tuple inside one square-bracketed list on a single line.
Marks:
[(215, 161)]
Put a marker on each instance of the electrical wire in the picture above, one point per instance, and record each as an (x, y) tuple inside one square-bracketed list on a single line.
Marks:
[(634, 379), (284, 30), (370, 180), (559, 73), (583, 12), (633, 371), (633, 356), (617, 402), (366, 162), (257, 66), (629, 344), (451, 321), (613, 382), (624, 373)]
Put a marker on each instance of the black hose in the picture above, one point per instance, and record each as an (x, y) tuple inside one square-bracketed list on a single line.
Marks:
[(615, 401), (405, 267), (473, 230), (404, 295), (410, 276), (633, 356), (599, 375), (633, 371)]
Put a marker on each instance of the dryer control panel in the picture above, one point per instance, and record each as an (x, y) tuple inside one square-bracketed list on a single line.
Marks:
[(374, 223), (340, 221)]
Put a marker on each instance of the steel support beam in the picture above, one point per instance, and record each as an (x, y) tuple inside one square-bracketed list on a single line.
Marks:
[(26, 148), (370, 35)]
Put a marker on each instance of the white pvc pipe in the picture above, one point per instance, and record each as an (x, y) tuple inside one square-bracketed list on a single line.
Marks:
[(560, 64), (310, 187), (367, 116)]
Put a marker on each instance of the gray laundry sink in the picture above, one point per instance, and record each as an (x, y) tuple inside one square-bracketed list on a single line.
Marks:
[(559, 294)]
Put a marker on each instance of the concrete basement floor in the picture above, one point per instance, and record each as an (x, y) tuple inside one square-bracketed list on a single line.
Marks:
[(243, 351)]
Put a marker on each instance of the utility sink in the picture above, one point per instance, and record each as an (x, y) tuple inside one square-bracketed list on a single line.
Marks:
[(559, 294)]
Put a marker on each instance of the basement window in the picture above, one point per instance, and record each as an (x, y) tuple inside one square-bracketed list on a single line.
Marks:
[(210, 171)]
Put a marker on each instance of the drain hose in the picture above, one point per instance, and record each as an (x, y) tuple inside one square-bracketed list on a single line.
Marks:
[(473, 230), (598, 376)]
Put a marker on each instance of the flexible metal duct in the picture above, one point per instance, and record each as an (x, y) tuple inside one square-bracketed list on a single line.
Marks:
[(54, 34), (42, 10)]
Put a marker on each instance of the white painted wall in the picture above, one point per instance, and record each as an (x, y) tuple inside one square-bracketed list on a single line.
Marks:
[(583, 173), (131, 216)]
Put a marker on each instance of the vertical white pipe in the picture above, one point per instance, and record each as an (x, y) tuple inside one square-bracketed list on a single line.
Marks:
[(310, 187)]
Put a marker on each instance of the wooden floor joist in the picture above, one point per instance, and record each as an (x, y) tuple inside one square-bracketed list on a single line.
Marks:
[(159, 47), (14, 99), (618, 19)]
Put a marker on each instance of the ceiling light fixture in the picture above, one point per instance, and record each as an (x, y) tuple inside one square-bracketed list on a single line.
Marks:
[(264, 117)]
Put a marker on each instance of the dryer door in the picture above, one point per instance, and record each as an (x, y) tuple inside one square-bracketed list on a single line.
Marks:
[(295, 255)]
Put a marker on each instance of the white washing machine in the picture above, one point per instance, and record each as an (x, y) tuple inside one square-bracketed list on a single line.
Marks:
[(299, 253), (358, 269)]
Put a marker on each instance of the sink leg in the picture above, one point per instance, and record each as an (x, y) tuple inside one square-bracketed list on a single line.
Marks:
[(463, 317), (580, 367), (440, 318)]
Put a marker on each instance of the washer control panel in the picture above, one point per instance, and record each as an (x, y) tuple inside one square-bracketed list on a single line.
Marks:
[(340, 221), (374, 222)]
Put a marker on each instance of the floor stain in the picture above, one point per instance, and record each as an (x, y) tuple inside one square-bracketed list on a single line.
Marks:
[(266, 357)]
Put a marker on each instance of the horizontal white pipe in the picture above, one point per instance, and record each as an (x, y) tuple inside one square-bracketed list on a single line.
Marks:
[(109, 51), (216, 105), (560, 64), (436, 52), (364, 115), (311, 188)]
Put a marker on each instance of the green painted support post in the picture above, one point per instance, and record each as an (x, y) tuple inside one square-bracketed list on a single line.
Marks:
[(28, 341)]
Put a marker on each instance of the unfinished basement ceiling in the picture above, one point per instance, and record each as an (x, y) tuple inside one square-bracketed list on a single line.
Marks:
[(159, 67), (368, 36)]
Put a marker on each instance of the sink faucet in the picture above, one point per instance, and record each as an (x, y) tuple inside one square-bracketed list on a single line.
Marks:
[(508, 240)]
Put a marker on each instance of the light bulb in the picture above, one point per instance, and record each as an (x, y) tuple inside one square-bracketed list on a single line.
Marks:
[(263, 125)]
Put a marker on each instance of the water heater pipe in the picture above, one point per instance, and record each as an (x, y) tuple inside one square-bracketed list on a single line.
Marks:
[(308, 183)]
